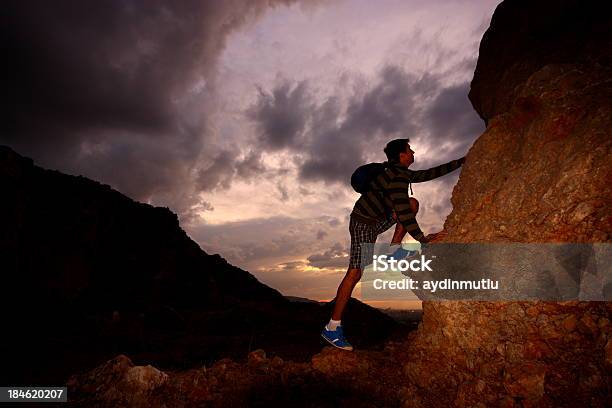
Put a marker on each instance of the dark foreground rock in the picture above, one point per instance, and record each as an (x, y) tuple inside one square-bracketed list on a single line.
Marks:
[(333, 378)]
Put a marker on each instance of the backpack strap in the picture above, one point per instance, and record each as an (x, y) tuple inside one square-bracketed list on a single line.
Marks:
[(391, 172)]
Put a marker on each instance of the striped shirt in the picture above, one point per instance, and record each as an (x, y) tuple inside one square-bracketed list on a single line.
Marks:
[(389, 191)]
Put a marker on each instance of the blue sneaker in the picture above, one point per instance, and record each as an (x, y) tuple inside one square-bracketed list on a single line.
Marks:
[(336, 338), (401, 253)]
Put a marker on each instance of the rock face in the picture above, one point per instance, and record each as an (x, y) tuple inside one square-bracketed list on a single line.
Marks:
[(539, 173)]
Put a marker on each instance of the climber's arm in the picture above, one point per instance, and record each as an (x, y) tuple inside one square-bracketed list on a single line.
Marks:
[(418, 176), (399, 233), (398, 193)]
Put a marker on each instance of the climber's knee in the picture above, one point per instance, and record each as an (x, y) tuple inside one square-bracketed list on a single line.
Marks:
[(414, 205)]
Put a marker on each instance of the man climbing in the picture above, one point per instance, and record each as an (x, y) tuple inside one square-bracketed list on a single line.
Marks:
[(385, 204)]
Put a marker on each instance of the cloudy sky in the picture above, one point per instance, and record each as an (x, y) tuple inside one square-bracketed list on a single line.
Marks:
[(246, 118)]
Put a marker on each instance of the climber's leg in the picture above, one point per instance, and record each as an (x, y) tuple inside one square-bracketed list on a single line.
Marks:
[(398, 234), (353, 275), (414, 205), (362, 238), (400, 231)]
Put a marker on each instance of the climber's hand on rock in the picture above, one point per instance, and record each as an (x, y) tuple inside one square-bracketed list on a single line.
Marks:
[(435, 236), (425, 243)]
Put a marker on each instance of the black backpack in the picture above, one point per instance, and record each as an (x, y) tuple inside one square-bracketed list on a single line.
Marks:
[(364, 175)]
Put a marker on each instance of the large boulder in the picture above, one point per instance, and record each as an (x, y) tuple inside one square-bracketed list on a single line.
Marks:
[(539, 173), (524, 36)]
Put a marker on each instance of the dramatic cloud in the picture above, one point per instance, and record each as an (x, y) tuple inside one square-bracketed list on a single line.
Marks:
[(219, 173), (333, 137), (281, 116), (121, 91), (451, 118), (261, 242), (334, 257), (386, 111)]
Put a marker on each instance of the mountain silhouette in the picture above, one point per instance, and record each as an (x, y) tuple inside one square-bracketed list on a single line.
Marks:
[(89, 272)]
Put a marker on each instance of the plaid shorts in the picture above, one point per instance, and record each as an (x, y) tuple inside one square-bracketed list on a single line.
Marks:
[(362, 233)]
